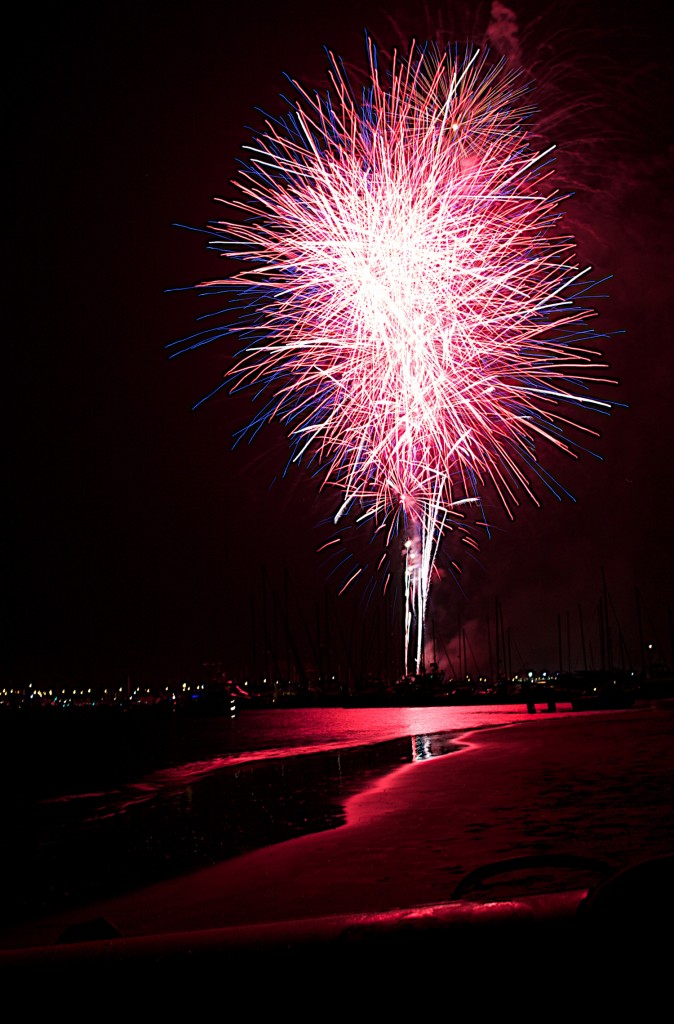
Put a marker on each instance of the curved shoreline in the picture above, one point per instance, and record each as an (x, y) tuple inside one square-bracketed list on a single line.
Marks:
[(598, 785)]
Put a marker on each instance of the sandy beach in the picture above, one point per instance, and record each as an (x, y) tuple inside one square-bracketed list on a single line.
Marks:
[(597, 785)]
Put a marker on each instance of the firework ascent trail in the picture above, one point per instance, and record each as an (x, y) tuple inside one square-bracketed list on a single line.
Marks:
[(410, 306)]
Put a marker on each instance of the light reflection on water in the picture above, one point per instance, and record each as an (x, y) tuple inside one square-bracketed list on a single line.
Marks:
[(269, 735), (327, 728), (99, 805), (205, 791)]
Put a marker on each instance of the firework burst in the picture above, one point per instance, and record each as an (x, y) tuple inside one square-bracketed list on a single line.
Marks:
[(409, 306)]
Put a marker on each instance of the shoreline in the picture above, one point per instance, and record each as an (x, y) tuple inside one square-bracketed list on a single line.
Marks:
[(597, 785)]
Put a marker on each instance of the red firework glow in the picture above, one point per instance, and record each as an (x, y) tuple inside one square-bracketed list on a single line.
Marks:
[(412, 310)]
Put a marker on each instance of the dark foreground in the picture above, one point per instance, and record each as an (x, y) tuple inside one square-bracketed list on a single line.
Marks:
[(580, 803)]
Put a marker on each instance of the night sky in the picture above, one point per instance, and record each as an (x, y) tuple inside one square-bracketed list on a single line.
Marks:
[(139, 543)]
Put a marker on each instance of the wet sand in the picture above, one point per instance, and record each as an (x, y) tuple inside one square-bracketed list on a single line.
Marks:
[(593, 784)]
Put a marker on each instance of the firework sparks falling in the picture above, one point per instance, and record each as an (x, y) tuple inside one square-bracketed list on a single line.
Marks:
[(411, 309)]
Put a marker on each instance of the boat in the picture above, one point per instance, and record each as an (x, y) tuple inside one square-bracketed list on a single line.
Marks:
[(532, 914), (217, 696)]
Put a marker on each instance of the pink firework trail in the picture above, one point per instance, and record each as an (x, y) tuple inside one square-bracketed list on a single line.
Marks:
[(411, 309)]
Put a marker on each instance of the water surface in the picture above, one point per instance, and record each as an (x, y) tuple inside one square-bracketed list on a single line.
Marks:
[(98, 806)]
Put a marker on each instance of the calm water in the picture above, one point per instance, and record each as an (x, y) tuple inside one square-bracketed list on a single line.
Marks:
[(94, 809)]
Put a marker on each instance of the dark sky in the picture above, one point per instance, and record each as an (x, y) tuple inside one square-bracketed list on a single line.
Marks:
[(138, 542)]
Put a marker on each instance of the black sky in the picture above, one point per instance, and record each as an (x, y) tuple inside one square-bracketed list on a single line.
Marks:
[(138, 541)]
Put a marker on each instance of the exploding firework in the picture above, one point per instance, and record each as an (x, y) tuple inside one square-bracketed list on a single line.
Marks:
[(409, 306)]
